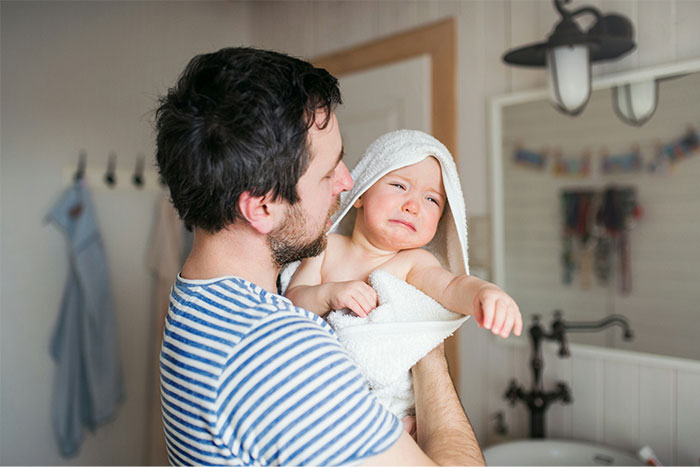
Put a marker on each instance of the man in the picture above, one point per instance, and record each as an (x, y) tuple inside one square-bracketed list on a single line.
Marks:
[(250, 147)]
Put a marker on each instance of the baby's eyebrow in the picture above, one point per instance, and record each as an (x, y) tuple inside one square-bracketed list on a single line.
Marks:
[(413, 181)]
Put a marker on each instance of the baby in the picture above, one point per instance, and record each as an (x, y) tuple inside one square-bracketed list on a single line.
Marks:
[(396, 216)]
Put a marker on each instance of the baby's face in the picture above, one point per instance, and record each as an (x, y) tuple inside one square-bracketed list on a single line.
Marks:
[(403, 208)]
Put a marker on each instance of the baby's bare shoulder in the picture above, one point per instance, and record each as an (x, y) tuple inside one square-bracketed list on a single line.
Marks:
[(418, 257)]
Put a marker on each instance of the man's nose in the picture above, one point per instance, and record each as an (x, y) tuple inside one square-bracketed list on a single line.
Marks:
[(343, 180)]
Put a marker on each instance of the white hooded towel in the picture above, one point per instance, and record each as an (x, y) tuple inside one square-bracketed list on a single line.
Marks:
[(407, 324)]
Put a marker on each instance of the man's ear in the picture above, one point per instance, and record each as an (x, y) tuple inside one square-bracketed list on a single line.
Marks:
[(260, 212), (358, 203)]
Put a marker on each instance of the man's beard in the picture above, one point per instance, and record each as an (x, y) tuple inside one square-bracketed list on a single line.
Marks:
[(288, 242)]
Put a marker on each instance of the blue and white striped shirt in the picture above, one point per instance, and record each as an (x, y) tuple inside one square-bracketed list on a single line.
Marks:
[(247, 378)]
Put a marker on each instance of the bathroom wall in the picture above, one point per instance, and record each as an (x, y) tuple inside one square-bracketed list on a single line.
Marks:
[(84, 75), (666, 32)]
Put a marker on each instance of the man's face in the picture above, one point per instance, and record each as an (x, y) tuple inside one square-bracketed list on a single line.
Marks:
[(303, 233)]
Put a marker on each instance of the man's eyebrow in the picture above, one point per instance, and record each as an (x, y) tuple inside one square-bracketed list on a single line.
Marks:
[(340, 155), (340, 158)]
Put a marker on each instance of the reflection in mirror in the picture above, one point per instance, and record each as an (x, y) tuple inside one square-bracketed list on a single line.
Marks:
[(599, 217)]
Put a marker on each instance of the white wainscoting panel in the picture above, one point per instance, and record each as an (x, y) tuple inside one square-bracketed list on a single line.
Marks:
[(621, 405), (587, 408), (622, 399), (657, 410), (688, 418)]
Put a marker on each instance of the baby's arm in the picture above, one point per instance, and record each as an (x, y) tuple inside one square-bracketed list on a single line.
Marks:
[(307, 290), (491, 307)]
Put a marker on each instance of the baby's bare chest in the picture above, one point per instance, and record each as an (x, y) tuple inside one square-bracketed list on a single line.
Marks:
[(343, 268)]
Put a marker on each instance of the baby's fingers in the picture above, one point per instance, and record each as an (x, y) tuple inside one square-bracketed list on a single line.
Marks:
[(510, 320), (518, 330), (499, 318), (356, 307), (370, 297), (485, 310)]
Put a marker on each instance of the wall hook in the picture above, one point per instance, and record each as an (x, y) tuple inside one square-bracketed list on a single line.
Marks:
[(82, 161), (137, 179), (111, 174)]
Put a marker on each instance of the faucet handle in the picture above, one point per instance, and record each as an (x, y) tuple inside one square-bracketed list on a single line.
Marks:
[(559, 333), (512, 392), (564, 392), (564, 347)]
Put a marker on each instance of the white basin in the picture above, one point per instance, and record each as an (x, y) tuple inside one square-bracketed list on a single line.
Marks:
[(556, 452)]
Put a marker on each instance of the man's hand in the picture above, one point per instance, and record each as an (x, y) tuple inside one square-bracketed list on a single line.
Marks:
[(357, 296), (496, 310)]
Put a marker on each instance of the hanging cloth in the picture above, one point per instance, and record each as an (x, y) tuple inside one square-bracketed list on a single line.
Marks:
[(169, 245), (88, 386)]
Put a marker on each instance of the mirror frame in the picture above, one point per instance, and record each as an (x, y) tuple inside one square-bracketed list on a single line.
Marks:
[(495, 118)]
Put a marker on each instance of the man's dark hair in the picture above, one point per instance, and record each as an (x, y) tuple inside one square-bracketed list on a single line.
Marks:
[(237, 120)]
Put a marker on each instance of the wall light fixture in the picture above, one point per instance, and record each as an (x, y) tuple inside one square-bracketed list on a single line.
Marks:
[(569, 51)]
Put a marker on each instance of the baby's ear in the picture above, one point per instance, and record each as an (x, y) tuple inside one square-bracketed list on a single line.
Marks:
[(358, 203)]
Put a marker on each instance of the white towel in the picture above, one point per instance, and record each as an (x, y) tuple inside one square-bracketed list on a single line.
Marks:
[(405, 326), (408, 323)]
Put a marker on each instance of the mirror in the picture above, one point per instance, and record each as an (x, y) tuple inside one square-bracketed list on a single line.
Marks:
[(594, 217)]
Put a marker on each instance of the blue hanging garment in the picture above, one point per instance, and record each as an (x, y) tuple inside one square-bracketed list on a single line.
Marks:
[(88, 386)]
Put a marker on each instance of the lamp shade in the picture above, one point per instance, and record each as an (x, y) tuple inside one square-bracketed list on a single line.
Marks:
[(569, 77), (635, 103)]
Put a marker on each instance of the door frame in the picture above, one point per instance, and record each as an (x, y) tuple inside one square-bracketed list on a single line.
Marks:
[(439, 41)]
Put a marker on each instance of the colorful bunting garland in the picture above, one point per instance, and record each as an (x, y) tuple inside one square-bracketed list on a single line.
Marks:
[(665, 156)]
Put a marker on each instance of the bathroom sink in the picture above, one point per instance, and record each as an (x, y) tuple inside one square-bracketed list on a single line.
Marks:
[(556, 452)]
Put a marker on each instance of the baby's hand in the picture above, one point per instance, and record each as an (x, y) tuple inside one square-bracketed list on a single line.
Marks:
[(357, 296), (496, 310)]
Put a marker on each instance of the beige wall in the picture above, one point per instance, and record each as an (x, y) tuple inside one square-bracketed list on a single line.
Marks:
[(84, 75)]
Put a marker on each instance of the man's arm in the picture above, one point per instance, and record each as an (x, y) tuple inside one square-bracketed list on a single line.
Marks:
[(445, 436), (444, 431)]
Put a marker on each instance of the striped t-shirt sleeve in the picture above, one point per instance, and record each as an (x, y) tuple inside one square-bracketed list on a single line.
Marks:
[(289, 395)]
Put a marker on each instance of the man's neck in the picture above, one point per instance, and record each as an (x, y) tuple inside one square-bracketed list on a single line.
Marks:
[(234, 251)]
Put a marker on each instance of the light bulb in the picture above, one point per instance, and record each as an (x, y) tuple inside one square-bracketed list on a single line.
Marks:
[(635, 103), (569, 77)]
